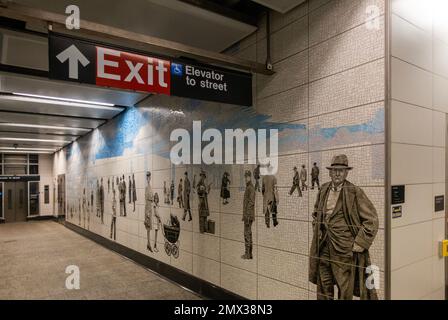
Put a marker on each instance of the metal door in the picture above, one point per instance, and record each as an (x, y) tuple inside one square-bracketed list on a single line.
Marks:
[(15, 201)]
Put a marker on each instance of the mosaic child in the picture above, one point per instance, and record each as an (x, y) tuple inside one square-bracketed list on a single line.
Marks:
[(225, 191)]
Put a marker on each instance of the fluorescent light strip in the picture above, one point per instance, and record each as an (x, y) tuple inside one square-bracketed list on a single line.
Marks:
[(27, 149), (34, 140), (24, 125), (59, 102), (39, 152), (63, 99)]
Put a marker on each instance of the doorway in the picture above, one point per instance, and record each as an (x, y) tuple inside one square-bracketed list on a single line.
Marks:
[(15, 201)]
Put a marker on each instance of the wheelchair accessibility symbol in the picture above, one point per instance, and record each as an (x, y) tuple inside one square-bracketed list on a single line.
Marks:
[(177, 69)]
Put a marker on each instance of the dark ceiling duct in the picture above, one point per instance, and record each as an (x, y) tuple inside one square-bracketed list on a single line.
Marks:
[(242, 10)]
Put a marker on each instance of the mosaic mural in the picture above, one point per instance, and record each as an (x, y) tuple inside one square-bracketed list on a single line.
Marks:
[(214, 215)]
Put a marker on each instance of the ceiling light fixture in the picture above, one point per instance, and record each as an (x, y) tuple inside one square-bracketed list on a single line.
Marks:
[(34, 140), (27, 149), (25, 125), (38, 152), (58, 101), (63, 99)]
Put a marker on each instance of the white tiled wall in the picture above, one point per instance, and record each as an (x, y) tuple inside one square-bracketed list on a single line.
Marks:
[(339, 81), (329, 75), (419, 105)]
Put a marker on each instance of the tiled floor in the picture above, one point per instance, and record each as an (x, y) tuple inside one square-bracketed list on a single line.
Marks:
[(34, 256)]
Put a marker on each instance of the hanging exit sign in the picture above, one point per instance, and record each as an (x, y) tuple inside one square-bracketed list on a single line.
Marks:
[(73, 59)]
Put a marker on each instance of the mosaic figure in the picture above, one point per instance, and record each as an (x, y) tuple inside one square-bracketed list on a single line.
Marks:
[(172, 192), (225, 191), (165, 193), (257, 177), (203, 190), (149, 205), (270, 198), (315, 176), (303, 178), (113, 224), (98, 206), (186, 200), (295, 183), (345, 223), (180, 194), (123, 190), (248, 215), (157, 220), (134, 192), (101, 201)]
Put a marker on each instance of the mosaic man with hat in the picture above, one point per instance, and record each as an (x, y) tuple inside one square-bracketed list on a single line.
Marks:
[(345, 225)]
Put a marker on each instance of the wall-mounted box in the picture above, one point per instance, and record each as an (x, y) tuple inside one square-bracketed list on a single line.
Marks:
[(444, 248)]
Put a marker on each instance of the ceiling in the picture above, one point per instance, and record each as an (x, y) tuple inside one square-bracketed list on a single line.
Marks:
[(40, 119), (41, 113), (174, 20), (36, 112)]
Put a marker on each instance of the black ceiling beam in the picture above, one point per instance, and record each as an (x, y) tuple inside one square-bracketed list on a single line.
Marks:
[(223, 11)]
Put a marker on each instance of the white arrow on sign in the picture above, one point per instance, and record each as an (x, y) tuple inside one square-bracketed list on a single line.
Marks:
[(74, 56)]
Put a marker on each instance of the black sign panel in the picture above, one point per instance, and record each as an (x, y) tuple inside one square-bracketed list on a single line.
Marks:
[(398, 193), (211, 84), (439, 203), (19, 178), (71, 60), (78, 60)]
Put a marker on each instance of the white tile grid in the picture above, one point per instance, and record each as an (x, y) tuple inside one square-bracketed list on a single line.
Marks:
[(426, 284), (261, 226), (337, 17), (411, 44)]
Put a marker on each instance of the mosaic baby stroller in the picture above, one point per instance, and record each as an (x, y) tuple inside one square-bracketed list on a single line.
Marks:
[(171, 233)]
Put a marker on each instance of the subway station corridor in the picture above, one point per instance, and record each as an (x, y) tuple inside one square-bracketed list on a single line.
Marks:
[(223, 150), (34, 257)]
